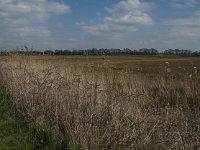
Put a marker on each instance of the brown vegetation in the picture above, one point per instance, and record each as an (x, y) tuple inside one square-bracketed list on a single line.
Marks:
[(107, 105)]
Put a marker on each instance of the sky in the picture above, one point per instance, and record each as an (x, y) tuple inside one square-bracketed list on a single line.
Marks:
[(84, 24)]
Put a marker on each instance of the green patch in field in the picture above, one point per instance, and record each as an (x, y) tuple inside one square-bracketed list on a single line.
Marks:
[(14, 133)]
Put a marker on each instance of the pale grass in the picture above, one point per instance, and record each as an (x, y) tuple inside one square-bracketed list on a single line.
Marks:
[(101, 109)]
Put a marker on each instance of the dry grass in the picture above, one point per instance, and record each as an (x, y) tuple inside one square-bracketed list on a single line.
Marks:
[(102, 106)]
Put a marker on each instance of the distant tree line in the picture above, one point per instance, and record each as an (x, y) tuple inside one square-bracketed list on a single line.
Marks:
[(102, 51)]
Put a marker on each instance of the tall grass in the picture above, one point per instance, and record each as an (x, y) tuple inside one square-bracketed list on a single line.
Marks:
[(86, 108)]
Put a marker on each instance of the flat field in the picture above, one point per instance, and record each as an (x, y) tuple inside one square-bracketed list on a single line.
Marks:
[(108, 102), (172, 67)]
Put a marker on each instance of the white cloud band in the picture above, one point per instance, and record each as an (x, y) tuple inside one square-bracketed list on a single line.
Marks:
[(28, 17), (126, 16)]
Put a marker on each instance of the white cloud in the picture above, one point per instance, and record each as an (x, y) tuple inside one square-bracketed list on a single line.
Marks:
[(182, 33), (58, 8), (193, 20), (27, 18), (126, 16), (38, 31), (184, 3), (186, 32), (185, 27)]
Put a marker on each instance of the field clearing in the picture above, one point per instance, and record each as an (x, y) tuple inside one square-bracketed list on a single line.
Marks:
[(165, 66), (109, 102), (154, 62)]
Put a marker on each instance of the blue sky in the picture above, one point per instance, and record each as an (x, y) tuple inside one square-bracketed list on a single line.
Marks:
[(82, 24)]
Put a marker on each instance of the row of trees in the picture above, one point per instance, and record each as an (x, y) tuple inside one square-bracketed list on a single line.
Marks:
[(95, 51), (126, 51)]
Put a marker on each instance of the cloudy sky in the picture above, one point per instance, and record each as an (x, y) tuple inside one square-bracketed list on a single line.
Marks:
[(80, 24)]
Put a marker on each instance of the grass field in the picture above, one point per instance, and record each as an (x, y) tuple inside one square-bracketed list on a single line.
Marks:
[(107, 102)]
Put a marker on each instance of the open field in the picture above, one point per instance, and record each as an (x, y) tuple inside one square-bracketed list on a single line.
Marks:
[(108, 102)]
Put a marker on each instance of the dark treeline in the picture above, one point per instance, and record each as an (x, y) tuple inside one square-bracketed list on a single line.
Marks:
[(95, 51)]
